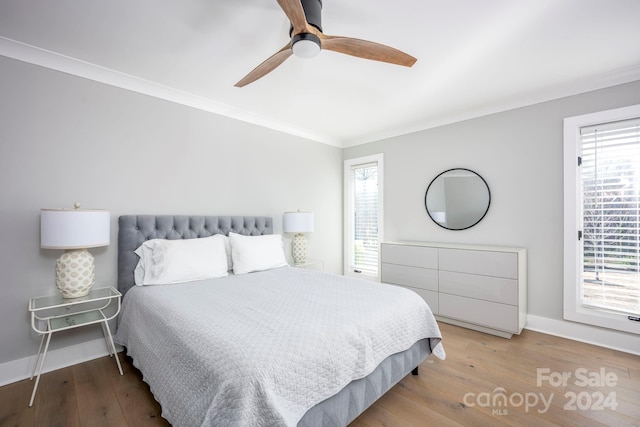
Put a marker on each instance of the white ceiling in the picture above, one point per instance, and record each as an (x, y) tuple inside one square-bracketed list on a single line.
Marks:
[(474, 57)]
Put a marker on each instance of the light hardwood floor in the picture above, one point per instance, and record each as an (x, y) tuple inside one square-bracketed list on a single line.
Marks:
[(459, 391)]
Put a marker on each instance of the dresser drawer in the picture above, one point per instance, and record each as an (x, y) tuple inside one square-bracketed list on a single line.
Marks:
[(496, 289), (487, 263), (416, 277), (491, 314), (416, 256)]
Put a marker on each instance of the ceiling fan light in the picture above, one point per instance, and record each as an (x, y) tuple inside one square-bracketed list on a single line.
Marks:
[(305, 45)]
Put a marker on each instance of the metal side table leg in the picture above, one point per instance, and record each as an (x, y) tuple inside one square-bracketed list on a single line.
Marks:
[(110, 345), (35, 366), (44, 354)]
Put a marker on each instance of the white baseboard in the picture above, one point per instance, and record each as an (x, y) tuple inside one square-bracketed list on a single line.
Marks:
[(628, 343), (18, 370)]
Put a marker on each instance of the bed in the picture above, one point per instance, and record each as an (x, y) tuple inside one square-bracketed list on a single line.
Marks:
[(281, 346)]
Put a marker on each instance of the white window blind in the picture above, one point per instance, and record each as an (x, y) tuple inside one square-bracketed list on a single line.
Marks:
[(610, 176), (364, 248)]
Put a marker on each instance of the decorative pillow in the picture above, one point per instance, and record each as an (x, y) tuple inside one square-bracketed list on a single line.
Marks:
[(175, 261), (256, 253)]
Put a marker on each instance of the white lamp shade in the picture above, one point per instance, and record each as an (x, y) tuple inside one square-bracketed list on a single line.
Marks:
[(298, 222), (74, 229)]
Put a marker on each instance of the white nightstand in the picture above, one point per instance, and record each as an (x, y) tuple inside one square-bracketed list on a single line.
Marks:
[(311, 264), (53, 313)]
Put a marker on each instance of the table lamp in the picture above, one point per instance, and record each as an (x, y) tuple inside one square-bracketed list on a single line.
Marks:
[(299, 223), (74, 230)]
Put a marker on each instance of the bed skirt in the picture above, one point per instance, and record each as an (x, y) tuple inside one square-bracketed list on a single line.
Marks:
[(342, 408)]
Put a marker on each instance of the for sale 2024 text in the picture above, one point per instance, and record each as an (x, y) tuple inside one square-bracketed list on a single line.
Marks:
[(582, 377)]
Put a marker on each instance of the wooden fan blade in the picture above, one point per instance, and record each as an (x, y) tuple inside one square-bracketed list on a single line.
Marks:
[(367, 50), (267, 66), (295, 12)]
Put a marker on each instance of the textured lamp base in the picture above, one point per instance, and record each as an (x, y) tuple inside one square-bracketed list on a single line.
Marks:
[(75, 273), (299, 248)]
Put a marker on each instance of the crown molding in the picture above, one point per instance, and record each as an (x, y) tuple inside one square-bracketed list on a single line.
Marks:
[(576, 87), (73, 66)]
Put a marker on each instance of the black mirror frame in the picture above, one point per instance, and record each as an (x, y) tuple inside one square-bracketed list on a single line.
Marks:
[(455, 169)]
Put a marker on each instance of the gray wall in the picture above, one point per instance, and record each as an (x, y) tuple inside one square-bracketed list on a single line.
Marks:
[(519, 154), (65, 139)]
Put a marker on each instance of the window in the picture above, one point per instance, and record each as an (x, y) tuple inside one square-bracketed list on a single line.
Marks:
[(363, 215), (602, 219)]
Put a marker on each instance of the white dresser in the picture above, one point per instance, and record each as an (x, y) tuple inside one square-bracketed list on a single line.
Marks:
[(479, 287)]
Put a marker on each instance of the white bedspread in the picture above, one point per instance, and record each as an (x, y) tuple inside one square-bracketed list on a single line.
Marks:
[(261, 349)]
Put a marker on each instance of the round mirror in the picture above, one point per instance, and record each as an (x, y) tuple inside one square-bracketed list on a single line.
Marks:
[(457, 199)]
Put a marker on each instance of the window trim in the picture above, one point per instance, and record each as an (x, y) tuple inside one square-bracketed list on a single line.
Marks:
[(572, 309), (348, 226)]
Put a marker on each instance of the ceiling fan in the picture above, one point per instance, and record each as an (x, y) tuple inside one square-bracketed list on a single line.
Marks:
[(308, 39)]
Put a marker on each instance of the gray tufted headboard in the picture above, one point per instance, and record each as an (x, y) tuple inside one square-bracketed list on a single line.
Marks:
[(133, 230)]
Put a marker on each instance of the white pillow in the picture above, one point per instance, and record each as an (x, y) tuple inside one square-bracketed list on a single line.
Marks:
[(256, 253), (183, 260)]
